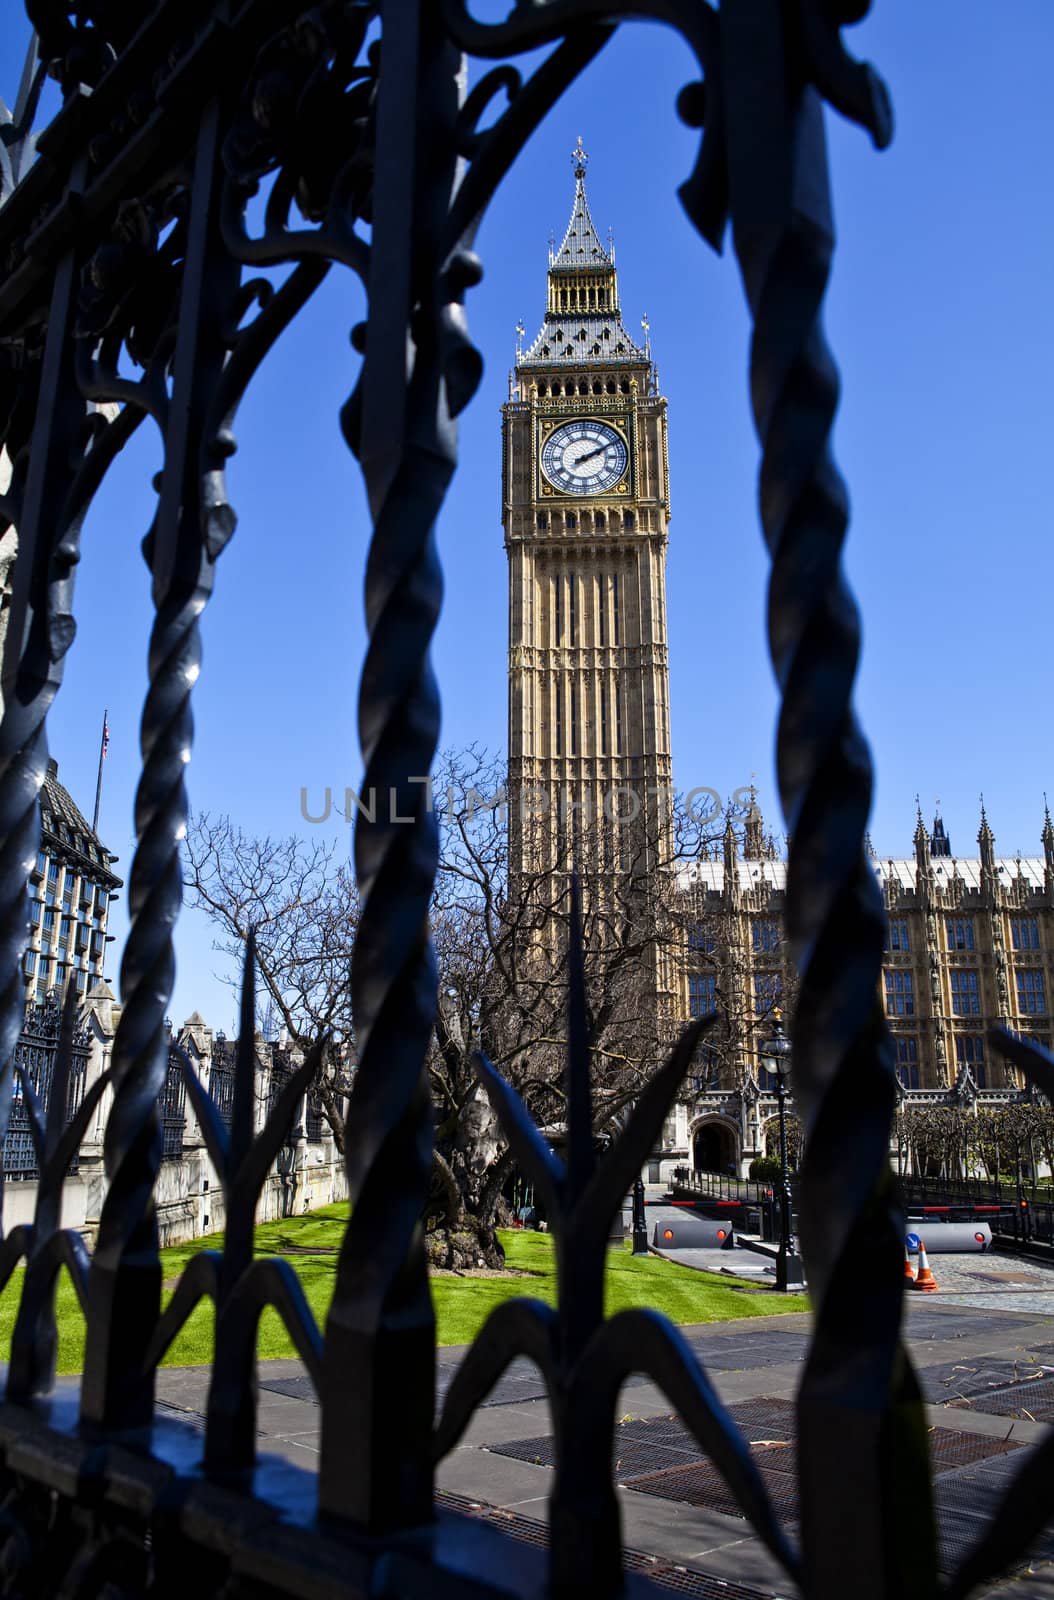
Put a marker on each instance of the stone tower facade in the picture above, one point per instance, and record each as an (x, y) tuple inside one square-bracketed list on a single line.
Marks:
[(586, 511)]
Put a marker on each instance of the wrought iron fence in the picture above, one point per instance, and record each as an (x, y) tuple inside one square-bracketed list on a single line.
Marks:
[(35, 1059), (173, 1109), (140, 280)]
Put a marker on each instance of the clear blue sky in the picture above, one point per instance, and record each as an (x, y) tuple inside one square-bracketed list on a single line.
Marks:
[(940, 317)]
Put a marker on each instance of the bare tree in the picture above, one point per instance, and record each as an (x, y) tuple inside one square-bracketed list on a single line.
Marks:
[(303, 908), (501, 932)]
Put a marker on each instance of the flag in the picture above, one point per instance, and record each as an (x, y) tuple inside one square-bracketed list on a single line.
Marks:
[(105, 737)]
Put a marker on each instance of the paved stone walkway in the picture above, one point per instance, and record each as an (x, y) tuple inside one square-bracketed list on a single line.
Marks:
[(976, 1366)]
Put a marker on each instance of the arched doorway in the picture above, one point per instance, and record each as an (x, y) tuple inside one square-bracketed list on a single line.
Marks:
[(714, 1148)]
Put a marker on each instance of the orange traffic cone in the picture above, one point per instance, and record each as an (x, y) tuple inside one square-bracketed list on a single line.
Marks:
[(924, 1279), (908, 1273)]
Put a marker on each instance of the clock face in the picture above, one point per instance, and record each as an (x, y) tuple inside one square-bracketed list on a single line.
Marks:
[(584, 457)]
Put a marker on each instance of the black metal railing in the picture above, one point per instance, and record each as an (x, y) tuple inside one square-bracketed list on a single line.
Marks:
[(210, 163), (35, 1062)]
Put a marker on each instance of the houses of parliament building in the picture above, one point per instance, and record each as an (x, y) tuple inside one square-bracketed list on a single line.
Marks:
[(586, 512)]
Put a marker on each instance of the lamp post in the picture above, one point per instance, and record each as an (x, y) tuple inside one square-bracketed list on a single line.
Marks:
[(776, 1058), (640, 1219)]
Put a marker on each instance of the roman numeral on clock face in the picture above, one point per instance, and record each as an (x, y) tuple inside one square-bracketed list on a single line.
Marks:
[(584, 457)]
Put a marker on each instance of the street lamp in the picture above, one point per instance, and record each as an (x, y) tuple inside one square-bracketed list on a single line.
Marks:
[(776, 1059), (640, 1218)]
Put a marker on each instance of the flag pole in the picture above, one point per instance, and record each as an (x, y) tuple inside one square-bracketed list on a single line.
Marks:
[(103, 742)]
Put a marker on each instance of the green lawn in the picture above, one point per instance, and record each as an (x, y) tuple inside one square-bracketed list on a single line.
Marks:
[(462, 1304)]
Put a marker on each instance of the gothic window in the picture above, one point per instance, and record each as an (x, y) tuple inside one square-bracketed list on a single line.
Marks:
[(629, 520), (908, 1061), (765, 936), (606, 333), (583, 388), (615, 621), (969, 1052), (559, 728), (1031, 994), (701, 938), (619, 348), (966, 992), (601, 613), (543, 519), (702, 993), (545, 351), (572, 718), (603, 719), (558, 614), (569, 350), (572, 612), (599, 522), (581, 334), (768, 988), (900, 994), (611, 388), (570, 522), (542, 390), (897, 934), (623, 387), (618, 718), (1024, 933), (598, 388), (960, 933), (595, 351)]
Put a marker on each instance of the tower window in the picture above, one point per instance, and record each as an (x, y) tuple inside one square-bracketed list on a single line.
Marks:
[(543, 519), (601, 628), (606, 333), (897, 938), (623, 387), (618, 718), (908, 1061), (603, 718), (966, 992), (559, 719), (960, 933), (545, 349), (1031, 996), (599, 523), (1024, 933), (572, 712), (628, 520), (969, 1052), (611, 388), (570, 522), (571, 612), (569, 350), (900, 994), (702, 993), (598, 388), (558, 619), (595, 351), (542, 391), (581, 333), (614, 610)]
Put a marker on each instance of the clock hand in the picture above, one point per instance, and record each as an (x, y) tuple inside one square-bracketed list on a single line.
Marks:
[(599, 451)]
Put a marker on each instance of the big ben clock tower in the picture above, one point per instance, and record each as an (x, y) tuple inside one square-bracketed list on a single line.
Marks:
[(585, 511)]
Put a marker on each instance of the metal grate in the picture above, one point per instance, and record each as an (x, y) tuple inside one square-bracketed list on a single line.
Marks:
[(702, 1485), (952, 1381), (668, 1574), (956, 1448), (1031, 1401)]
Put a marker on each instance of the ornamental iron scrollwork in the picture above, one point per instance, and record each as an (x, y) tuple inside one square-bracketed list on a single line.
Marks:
[(211, 162)]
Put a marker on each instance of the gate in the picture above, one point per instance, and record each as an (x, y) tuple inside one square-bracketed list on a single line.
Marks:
[(35, 1057), (133, 288)]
